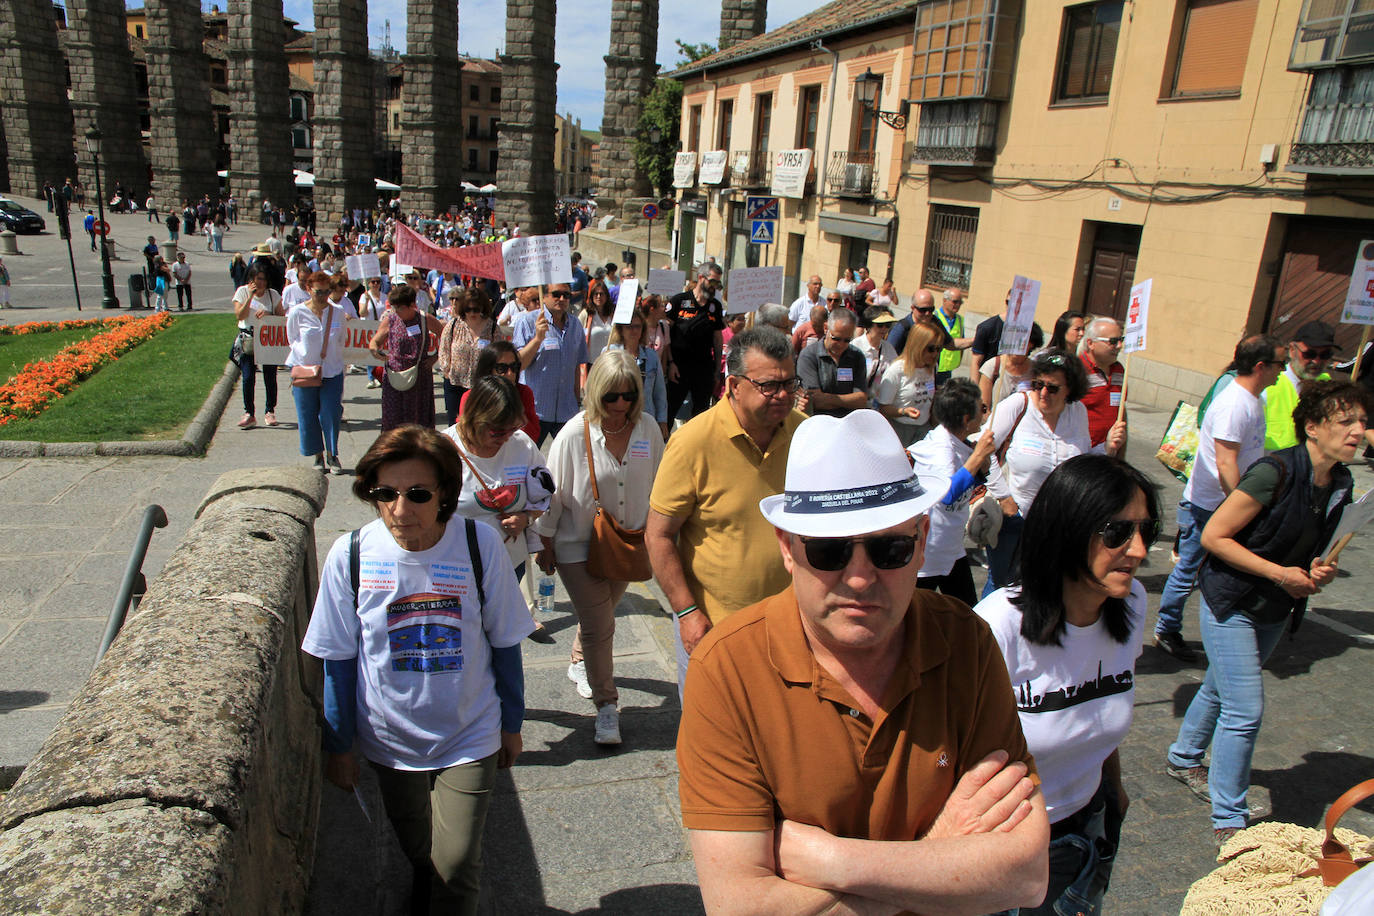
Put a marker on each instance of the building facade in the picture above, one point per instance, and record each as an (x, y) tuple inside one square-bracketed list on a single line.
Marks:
[(1223, 149)]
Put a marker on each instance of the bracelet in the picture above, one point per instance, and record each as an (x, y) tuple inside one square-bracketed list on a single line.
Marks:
[(691, 608), (1284, 579)]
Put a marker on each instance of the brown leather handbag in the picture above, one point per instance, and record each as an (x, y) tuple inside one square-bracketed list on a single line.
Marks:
[(616, 553), (1335, 862), (313, 376)]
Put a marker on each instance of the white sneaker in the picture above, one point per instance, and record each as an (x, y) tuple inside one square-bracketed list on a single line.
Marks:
[(577, 673), (608, 725)]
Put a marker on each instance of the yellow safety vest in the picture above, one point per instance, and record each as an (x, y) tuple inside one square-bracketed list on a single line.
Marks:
[(1279, 400), (950, 359)]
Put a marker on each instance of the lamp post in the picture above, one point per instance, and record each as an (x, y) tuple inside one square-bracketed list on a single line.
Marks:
[(109, 300), (869, 84)]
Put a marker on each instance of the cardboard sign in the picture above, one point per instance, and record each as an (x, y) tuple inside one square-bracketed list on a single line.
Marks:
[(1359, 300), (713, 166), (1137, 315), (362, 266), (483, 260), (270, 347), (400, 269), (625, 301), (790, 168), (665, 282), (531, 260), (751, 287), (1016, 324), (684, 170)]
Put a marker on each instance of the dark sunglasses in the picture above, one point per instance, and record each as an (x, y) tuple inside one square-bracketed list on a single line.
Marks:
[(416, 495), (1323, 353), (1039, 383), (560, 293), (506, 368), (1116, 533), (611, 397), (927, 310), (1111, 341), (836, 299), (933, 349), (885, 551), (955, 301)]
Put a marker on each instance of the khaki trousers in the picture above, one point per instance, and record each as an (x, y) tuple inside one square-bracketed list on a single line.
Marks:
[(594, 600)]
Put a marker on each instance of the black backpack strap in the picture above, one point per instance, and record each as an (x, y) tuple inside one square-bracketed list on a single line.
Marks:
[(354, 562), (476, 556)]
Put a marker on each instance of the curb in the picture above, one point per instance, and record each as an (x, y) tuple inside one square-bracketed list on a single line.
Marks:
[(192, 443)]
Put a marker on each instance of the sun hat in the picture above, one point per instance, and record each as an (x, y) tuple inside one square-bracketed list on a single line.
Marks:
[(848, 476), (263, 249)]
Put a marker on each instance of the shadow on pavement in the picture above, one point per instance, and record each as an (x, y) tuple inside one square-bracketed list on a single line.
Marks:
[(1302, 793), (11, 700)]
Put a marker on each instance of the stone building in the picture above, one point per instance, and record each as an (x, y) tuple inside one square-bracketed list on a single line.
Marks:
[(631, 67), (529, 86), (39, 132)]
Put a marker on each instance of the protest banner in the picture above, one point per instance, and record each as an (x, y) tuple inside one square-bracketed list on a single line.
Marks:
[(532, 260), (625, 301), (790, 168), (665, 282), (684, 170), (713, 166), (270, 347), (475, 260), (1016, 324), (751, 287), (1137, 315)]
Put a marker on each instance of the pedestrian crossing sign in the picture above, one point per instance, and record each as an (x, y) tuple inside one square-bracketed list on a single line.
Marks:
[(763, 232)]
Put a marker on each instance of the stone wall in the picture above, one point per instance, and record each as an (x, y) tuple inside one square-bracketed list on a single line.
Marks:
[(185, 776), (630, 71), (529, 101), (741, 20), (183, 122), (343, 120), (260, 153), (33, 87), (103, 96), (431, 125)]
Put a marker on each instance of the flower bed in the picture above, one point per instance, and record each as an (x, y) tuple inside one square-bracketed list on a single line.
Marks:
[(37, 385), (41, 327)]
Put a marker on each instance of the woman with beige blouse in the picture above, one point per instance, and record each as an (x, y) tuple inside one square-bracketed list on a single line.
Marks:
[(626, 447), (465, 333)]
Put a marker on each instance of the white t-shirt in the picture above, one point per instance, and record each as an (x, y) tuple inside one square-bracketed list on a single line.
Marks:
[(1075, 701), (598, 335), (941, 454), (1035, 449), (426, 693), (1234, 416), (901, 390), (519, 465), (878, 358), (293, 296), (370, 307), (267, 302), (800, 311), (305, 333)]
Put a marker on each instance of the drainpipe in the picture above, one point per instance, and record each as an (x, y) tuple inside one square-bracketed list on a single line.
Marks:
[(818, 45)]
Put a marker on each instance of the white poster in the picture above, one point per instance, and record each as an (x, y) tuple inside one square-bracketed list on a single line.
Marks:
[(750, 287), (625, 301), (1359, 301), (684, 170), (1137, 316), (362, 266), (665, 282), (270, 347), (534, 259), (713, 166), (399, 270), (790, 167), (1016, 324)]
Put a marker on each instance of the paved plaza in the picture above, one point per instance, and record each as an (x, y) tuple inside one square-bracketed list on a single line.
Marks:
[(576, 828)]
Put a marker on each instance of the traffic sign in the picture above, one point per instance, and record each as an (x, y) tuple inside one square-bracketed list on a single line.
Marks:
[(666, 204), (650, 211), (761, 207), (763, 232), (101, 227)]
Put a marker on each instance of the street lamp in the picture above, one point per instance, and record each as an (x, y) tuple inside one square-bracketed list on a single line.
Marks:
[(655, 135), (868, 85), (109, 300)]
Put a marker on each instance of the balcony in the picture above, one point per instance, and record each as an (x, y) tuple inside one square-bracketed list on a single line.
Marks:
[(751, 169), (1337, 134), (852, 173), (962, 133)]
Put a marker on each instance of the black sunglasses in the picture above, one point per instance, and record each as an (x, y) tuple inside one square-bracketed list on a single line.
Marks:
[(417, 495), (560, 293), (885, 551), (611, 397), (505, 368), (1111, 341), (1040, 383), (1323, 353), (927, 310), (1116, 533)]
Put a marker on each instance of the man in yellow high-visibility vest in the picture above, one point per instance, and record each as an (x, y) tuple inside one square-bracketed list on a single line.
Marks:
[(949, 318), (1309, 353)]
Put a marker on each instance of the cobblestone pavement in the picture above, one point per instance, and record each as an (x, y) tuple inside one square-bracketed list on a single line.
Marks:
[(575, 828)]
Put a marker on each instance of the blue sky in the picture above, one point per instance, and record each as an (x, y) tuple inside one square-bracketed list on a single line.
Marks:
[(582, 41)]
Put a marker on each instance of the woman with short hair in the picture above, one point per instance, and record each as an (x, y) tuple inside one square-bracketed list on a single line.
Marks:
[(500, 358)]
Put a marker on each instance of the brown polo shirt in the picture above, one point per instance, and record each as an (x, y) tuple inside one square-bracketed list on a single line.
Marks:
[(767, 733)]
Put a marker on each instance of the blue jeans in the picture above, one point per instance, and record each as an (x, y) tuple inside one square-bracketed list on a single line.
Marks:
[(318, 413), (1002, 558), (1191, 520), (1227, 710)]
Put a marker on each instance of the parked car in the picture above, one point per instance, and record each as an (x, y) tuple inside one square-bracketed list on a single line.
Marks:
[(19, 219)]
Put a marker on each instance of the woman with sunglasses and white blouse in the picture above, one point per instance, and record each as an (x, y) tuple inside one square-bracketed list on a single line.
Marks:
[(1034, 432), (626, 447), (1070, 633)]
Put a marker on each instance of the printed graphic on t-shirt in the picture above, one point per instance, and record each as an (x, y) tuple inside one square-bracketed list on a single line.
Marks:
[(378, 575), (1073, 694), (425, 633)]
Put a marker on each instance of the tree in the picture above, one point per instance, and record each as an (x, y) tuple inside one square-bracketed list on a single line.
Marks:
[(690, 53), (663, 110)]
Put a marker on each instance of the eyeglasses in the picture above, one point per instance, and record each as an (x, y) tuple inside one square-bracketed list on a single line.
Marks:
[(774, 387), (611, 397), (955, 301), (506, 368), (1118, 532), (934, 350), (885, 551), (925, 311), (1040, 384), (1323, 353), (417, 495), (320, 292), (560, 294), (1110, 341), (835, 300), (713, 284)]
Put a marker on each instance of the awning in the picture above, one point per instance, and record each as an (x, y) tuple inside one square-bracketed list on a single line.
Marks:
[(386, 185), (856, 226), (487, 189), (304, 179)]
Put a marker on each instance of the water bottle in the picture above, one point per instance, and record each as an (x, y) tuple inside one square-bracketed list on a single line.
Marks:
[(545, 602)]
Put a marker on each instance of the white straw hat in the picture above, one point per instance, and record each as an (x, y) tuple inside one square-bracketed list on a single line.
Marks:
[(849, 476)]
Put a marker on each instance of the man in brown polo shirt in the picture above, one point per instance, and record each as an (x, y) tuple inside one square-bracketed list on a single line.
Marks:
[(852, 743)]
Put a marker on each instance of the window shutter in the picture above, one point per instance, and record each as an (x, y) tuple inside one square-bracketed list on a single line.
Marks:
[(1216, 42)]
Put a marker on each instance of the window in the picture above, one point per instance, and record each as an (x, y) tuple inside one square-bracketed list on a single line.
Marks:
[(218, 76), (297, 108), (763, 120), (866, 121), (300, 138), (472, 126), (808, 117), (495, 94), (138, 31), (493, 124), (694, 129), (474, 92), (472, 159), (949, 246), (1332, 31), (1087, 52), (1213, 47), (491, 162), (963, 49), (395, 120), (723, 125), (855, 255)]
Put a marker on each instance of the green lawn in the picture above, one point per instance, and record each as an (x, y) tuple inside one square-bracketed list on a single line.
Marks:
[(18, 350), (151, 392)]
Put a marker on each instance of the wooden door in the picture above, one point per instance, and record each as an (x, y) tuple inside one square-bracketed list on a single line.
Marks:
[(1314, 279), (1109, 282)]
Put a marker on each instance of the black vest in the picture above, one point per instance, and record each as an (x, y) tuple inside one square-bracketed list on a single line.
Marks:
[(1273, 532)]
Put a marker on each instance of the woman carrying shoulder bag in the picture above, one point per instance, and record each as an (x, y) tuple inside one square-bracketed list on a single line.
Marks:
[(257, 299), (316, 329)]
